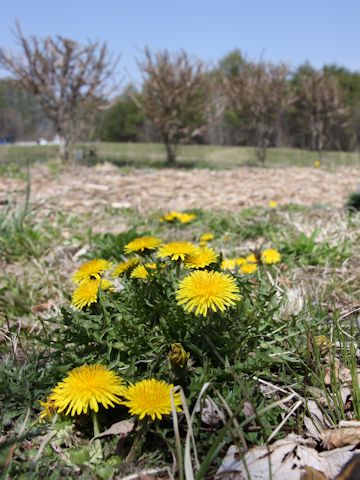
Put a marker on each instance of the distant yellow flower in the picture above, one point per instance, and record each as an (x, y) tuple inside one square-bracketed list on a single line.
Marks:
[(177, 250), (228, 264), (203, 290), (125, 266), (178, 356), (85, 388), (205, 238), (142, 271), (179, 216), (248, 267), (142, 245), (48, 409), (270, 256), (240, 261), (203, 257), (251, 258), (169, 217), (150, 398), (186, 217), (92, 269), (87, 292), (273, 204), (317, 164)]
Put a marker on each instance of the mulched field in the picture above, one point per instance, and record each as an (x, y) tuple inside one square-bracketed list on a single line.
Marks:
[(84, 189)]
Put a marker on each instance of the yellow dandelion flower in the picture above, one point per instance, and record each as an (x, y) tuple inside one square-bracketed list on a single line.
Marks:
[(48, 409), (150, 398), (186, 217), (142, 245), (228, 264), (240, 261), (125, 266), (87, 292), (203, 290), (205, 238), (85, 388), (91, 270), (248, 268), (270, 256), (203, 257), (178, 356), (106, 285), (273, 204), (177, 250), (142, 271), (317, 164)]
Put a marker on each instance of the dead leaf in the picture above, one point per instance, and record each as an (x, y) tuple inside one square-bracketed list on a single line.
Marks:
[(351, 471), (211, 414), (314, 422), (340, 372), (339, 437), (248, 409), (349, 423), (289, 457), (122, 429)]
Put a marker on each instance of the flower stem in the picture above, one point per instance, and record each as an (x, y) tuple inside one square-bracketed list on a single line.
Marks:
[(103, 309), (96, 427)]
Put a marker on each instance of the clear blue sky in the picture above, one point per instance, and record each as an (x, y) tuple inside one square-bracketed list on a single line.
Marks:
[(321, 31)]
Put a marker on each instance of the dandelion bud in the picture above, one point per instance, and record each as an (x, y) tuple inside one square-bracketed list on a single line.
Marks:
[(178, 356), (48, 409), (323, 343)]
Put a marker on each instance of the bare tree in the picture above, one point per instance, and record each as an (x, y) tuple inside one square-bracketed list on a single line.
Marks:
[(173, 96), (259, 94), (70, 80), (320, 106)]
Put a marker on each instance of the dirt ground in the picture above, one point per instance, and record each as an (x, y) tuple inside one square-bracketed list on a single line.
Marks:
[(84, 189)]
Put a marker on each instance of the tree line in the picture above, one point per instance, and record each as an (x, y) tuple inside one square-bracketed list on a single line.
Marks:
[(58, 86)]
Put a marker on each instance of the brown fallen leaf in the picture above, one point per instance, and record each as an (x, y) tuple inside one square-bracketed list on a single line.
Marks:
[(341, 373), (340, 437), (122, 429), (313, 474), (351, 471), (41, 307)]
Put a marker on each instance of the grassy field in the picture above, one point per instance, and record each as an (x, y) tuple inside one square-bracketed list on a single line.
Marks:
[(145, 155), (285, 347)]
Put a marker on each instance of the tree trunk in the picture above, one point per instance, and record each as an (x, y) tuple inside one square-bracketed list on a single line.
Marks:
[(261, 155), (170, 155), (64, 149), (262, 144)]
